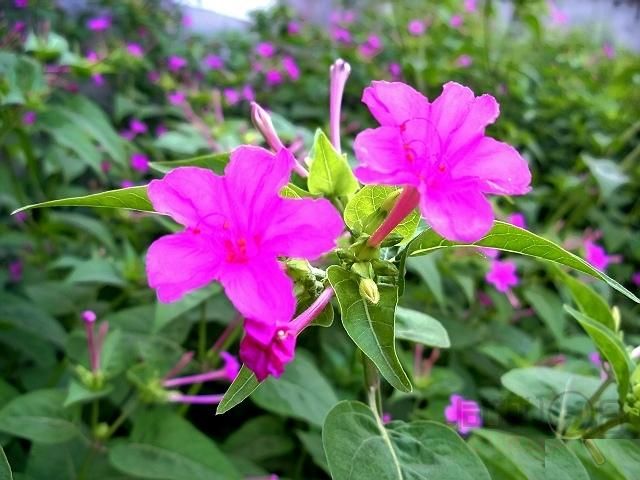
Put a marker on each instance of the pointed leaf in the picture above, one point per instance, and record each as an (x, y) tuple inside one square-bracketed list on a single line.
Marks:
[(213, 161), (525, 457), (329, 173), (242, 386), (5, 468), (419, 327), (371, 327)]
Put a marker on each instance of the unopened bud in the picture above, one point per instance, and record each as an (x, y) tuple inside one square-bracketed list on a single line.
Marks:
[(390, 201), (369, 290), (89, 316), (264, 125), (615, 313), (101, 431)]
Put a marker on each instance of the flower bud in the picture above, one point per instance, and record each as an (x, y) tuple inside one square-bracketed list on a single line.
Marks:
[(101, 431), (263, 124), (369, 290), (615, 313), (390, 201)]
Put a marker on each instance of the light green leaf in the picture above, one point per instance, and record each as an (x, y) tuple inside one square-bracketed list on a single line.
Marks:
[(371, 327), (607, 173), (214, 161), (427, 269), (78, 393), (509, 238), (420, 328), (96, 270), (28, 317), (329, 173), (5, 468), (622, 453), (38, 416), (548, 307), (611, 348), (301, 392), (133, 198), (365, 212), (560, 463), (241, 387), (360, 447), (167, 312), (525, 457)]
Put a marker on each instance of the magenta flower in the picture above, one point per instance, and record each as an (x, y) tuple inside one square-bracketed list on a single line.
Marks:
[(105, 166), (93, 56), (236, 227), (502, 275), (137, 126), (248, 93), (395, 70), (153, 76), (417, 27), (126, 184), (340, 35), (440, 149), (15, 271), (140, 162), (97, 79), (20, 217), (293, 28), (213, 62), (231, 96), (464, 413), (19, 26), (608, 50), (99, 24), (228, 372), (135, 50), (176, 63), (596, 255), (28, 118), (489, 252), (176, 98), (186, 21), (273, 77), (386, 418), (464, 61), (161, 130), (456, 21), (635, 278), (558, 17), (265, 49), (290, 66), (596, 361), (21, 3), (371, 47), (127, 135), (470, 6)]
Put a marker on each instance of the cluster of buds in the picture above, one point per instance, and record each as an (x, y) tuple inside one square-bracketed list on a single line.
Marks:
[(631, 406)]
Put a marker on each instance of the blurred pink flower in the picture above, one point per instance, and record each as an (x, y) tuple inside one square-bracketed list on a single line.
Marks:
[(97, 79), (371, 47), (517, 219), (635, 278), (608, 50), (213, 62), (126, 184), (15, 271), (20, 217), (19, 26), (140, 162), (464, 61), (489, 252), (293, 28), (558, 17), (466, 414), (99, 24), (440, 150), (105, 166), (176, 98), (231, 96), (291, 67), (137, 126), (92, 56), (395, 70), (596, 255), (160, 130), (153, 76), (341, 35), (273, 77), (21, 3), (29, 118), (127, 135), (470, 6), (417, 27), (135, 50), (386, 418), (248, 93), (265, 49), (186, 21), (502, 275), (456, 21), (175, 63)]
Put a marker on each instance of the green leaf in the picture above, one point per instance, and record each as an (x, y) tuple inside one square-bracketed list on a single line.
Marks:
[(133, 198), (607, 173), (312, 442), (589, 302), (560, 463), (365, 212), (78, 393), (38, 416), (301, 392), (28, 317), (165, 446), (611, 348), (419, 327), (360, 447), (548, 307), (427, 269), (329, 173), (5, 468), (622, 453), (167, 312), (506, 237), (524, 456), (241, 387), (214, 161), (259, 439), (371, 327)]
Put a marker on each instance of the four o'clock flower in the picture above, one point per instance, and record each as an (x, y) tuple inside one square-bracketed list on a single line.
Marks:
[(140, 162), (438, 150), (137, 126), (456, 21), (416, 27), (176, 98), (99, 24), (338, 75), (470, 6), (517, 219), (502, 275), (464, 61), (135, 50), (175, 63), (273, 77), (464, 413), (28, 118), (228, 372), (290, 66), (597, 256), (265, 49), (236, 227)]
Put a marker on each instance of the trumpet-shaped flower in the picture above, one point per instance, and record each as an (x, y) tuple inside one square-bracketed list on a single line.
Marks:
[(440, 149), (271, 355), (235, 228)]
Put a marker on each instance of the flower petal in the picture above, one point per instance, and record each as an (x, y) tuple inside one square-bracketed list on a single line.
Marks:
[(393, 103), (458, 214), (180, 263), (187, 194), (499, 166), (450, 109), (304, 228), (259, 289)]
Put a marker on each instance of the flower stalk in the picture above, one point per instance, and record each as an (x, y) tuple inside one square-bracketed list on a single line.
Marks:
[(407, 201)]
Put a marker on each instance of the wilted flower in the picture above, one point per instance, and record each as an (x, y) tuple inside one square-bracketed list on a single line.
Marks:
[(416, 27), (140, 162), (464, 61), (464, 413), (213, 62), (439, 148), (265, 49), (502, 275), (99, 24), (135, 50)]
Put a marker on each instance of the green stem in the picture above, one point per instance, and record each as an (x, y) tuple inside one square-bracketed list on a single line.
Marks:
[(372, 384), (486, 31), (202, 333), (598, 393), (597, 431), (95, 415), (127, 410)]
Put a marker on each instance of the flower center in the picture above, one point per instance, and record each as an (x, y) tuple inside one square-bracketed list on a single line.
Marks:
[(236, 250)]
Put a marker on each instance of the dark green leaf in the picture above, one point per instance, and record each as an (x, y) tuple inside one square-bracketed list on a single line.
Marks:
[(167, 312), (78, 393), (243, 386), (548, 307), (524, 456), (5, 468), (259, 439), (561, 464)]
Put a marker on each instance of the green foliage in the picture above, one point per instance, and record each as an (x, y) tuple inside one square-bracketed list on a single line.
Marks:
[(329, 173)]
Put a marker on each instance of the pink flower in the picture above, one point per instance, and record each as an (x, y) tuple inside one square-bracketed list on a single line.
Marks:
[(464, 413), (176, 98), (127, 135), (140, 162), (105, 166), (231, 96), (608, 50), (440, 149), (470, 6), (126, 184), (153, 76), (231, 366), (19, 26), (416, 27), (213, 62), (97, 79), (186, 21), (456, 21), (28, 118), (89, 316), (464, 61), (248, 93), (596, 255), (265, 49), (15, 271), (386, 418), (236, 227), (161, 130), (135, 50), (395, 70), (99, 24), (517, 219), (293, 28), (291, 67), (371, 47), (21, 3), (489, 252), (340, 35), (635, 278), (137, 126), (176, 63), (270, 357), (273, 77), (20, 217), (93, 57), (558, 17), (502, 275), (594, 358)]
